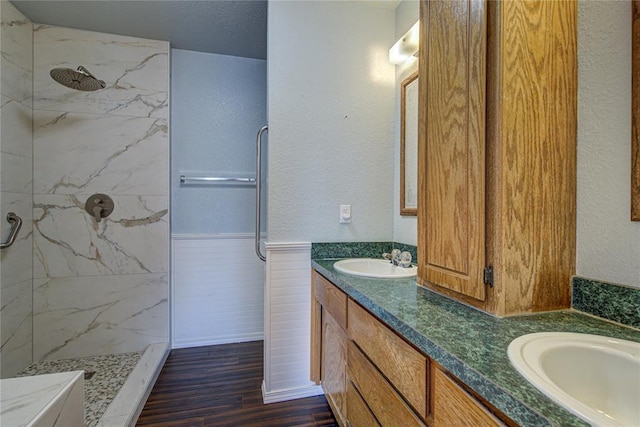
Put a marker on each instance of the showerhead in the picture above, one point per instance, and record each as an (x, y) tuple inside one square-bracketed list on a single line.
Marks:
[(80, 79)]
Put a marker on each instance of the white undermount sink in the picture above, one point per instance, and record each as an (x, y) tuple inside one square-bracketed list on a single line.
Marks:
[(597, 378), (373, 267)]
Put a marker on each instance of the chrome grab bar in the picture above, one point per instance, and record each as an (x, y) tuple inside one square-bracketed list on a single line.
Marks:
[(217, 179), (16, 223), (259, 190)]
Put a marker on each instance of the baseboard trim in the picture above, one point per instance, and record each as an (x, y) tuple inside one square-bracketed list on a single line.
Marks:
[(228, 340), (289, 394)]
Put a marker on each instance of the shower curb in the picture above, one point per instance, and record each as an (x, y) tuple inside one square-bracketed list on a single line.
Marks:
[(125, 408)]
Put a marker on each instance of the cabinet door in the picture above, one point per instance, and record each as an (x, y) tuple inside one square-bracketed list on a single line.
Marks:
[(329, 343), (452, 145), (316, 340), (334, 360)]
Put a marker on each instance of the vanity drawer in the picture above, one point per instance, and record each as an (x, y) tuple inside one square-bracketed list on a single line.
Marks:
[(385, 403), (401, 364), (452, 405), (358, 413), (332, 299)]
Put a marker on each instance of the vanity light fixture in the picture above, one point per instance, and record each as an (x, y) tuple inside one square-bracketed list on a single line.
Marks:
[(406, 47)]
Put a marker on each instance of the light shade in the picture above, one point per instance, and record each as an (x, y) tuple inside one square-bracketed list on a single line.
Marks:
[(406, 47)]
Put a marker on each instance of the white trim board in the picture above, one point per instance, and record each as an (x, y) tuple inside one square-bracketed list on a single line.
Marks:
[(290, 394), (287, 344)]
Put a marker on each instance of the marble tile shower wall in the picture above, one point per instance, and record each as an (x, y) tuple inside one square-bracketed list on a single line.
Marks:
[(16, 68), (100, 288)]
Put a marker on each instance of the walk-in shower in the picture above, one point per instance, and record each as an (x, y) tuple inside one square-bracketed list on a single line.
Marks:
[(74, 290)]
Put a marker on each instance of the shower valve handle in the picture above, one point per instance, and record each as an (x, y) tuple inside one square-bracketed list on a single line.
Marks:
[(99, 206), (97, 213)]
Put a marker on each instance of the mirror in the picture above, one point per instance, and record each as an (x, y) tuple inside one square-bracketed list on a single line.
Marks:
[(635, 113), (409, 146)]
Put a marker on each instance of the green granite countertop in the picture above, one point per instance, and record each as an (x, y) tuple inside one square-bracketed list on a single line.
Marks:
[(469, 343)]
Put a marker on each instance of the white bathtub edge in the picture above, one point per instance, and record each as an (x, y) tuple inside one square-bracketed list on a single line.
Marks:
[(43, 400)]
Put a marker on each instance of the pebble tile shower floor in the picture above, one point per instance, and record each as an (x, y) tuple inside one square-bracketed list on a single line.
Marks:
[(104, 376)]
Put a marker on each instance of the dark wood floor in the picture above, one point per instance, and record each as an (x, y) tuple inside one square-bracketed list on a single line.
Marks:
[(220, 386)]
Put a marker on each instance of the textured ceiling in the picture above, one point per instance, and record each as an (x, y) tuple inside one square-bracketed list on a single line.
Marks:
[(237, 28)]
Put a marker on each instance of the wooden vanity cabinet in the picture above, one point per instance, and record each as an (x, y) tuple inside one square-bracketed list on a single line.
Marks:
[(497, 152), (329, 343), (371, 376)]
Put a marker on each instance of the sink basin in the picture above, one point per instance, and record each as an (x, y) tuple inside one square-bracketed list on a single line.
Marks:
[(372, 267), (597, 378)]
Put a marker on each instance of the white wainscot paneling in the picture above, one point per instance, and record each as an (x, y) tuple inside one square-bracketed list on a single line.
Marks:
[(287, 343), (218, 290)]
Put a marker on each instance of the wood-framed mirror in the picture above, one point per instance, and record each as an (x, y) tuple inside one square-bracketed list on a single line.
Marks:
[(409, 146), (635, 113)]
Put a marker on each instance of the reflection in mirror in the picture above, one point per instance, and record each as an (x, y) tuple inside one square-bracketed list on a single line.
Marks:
[(409, 146)]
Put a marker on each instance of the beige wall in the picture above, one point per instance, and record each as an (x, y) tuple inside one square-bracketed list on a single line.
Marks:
[(608, 243), (330, 110)]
